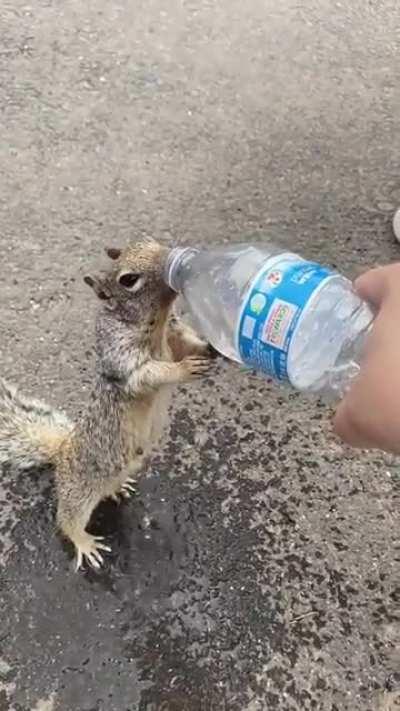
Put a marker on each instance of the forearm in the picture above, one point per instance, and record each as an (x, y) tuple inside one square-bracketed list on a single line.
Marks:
[(151, 375)]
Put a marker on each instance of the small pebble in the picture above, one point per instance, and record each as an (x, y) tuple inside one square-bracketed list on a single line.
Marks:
[(4, 668), (386, 206)]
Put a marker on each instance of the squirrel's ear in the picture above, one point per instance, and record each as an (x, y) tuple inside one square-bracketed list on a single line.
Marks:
[(113, 252), (97, 286)]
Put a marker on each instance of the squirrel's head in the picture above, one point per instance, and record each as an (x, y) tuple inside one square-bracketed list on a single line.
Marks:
[(134, 287)]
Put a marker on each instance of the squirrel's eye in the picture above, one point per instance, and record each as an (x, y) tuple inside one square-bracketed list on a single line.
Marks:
[(129, 280)]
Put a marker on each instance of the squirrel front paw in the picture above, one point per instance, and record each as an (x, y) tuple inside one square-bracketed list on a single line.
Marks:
[(203, 349), (206, 350), (194, 367)]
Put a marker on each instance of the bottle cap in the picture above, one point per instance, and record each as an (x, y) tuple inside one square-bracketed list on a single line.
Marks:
[(173, 263)]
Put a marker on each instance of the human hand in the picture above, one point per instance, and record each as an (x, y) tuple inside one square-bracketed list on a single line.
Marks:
[(369, 414)]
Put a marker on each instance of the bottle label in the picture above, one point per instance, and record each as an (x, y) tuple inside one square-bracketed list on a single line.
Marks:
[(272, 310)]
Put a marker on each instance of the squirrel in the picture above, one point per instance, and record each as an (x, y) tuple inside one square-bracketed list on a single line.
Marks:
[(142, 349)]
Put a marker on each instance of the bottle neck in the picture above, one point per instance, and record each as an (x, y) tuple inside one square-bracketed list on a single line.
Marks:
[(177, 259)]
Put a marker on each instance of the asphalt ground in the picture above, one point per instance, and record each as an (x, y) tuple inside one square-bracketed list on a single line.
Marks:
[(258, 567)]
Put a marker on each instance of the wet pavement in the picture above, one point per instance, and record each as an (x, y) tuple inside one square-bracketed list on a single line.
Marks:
[(258, 567)]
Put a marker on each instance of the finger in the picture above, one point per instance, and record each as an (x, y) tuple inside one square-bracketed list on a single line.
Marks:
[(372, 286)]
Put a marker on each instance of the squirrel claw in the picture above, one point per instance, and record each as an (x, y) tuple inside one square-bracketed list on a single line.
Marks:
[(126, 490), (95, 561), (79, 559), (130, 482), (129, 488), (101, 546)]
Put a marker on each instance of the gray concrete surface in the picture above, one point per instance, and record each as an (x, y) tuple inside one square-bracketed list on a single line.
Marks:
[(258, 568)]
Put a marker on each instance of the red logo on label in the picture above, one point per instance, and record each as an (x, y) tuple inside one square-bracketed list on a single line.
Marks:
[(274, 278)]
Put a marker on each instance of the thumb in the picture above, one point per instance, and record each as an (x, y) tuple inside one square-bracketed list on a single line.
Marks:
[(371, 286), (346, 426)]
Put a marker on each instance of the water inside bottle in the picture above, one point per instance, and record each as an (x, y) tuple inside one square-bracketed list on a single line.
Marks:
[(323, 352)]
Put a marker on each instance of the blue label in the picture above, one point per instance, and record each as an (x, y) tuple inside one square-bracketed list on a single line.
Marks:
[(272, 310)]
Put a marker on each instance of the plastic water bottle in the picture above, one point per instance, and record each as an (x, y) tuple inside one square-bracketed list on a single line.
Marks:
[(295, 321)]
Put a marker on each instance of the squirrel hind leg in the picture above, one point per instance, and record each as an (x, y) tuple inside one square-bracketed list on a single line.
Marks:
[(88, 547)]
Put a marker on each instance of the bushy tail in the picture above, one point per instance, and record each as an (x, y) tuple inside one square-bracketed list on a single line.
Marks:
[(31, 432)]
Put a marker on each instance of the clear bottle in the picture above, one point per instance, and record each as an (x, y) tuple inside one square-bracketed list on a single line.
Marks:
[(293, 320)]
